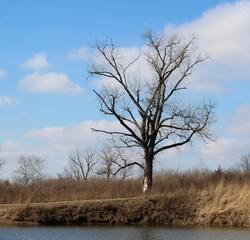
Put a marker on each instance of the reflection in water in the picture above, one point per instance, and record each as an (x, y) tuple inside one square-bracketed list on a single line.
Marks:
[(122, 233), (145, 234)]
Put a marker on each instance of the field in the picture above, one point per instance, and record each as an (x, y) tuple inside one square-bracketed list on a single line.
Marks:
[(194, 197)]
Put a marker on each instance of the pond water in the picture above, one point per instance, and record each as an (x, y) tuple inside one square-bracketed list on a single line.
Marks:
[(122, 233)]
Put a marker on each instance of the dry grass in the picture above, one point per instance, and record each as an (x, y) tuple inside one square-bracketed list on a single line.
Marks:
[(56, 190), (204, 197), (167, 182), (226, 204)]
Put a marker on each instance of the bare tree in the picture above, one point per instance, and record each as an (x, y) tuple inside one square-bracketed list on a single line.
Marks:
[(244, 162), (148, 105), (123, 159), (2, 161), (107, 160), (112, 160), (80, 165), (29, 169)]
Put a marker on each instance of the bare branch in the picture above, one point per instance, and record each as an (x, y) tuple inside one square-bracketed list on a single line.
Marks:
[(129, 165)]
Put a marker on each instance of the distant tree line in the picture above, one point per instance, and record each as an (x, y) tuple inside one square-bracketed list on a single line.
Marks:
[(105, 162), (82, 164)]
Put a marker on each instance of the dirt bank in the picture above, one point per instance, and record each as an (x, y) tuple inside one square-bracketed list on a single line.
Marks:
[(172, 209)]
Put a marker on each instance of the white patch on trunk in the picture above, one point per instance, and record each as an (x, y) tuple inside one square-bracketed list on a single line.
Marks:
[(145, 184)]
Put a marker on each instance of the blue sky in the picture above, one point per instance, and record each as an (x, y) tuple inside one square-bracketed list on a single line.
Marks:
[(46, 105)]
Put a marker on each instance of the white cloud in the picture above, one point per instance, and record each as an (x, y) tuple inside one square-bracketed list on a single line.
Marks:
[(240, 124), (2, 74), (225, 151), (50, 82), (38, 61), (81, 53), (223, 31), (64, 139), (228, 150), (12, 150), (8, 101), (224, 34), (54, 143)]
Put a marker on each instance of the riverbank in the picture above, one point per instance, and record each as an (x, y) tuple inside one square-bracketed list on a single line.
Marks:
[(146, 210), (177, 198), (202, 208)]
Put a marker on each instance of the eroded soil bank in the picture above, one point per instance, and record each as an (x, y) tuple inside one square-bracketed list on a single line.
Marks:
[(188, 209)]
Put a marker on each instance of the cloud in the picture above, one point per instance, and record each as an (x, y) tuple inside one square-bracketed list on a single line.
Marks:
[(8, 101), (225, 36), (2, 74), (54, 143), (66, 138), (81, 53), (12, 150), (225, 151), (228, 150), (240, 124), (38, 61), (50, 82)]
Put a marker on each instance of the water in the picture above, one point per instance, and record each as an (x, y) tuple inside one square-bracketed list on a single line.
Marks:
[(122, 233)]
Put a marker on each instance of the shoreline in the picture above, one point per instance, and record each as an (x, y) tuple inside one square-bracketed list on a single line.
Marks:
[(179, 210)]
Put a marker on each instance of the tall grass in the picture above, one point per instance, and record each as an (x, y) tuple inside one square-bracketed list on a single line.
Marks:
[(166, 182), (55, 190), (226, 203), (205, 197)]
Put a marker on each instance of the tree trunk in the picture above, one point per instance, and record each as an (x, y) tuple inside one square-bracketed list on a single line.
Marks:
[(148, 173)]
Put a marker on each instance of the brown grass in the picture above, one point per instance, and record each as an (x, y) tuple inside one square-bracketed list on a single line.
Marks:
[(191, 197), (55, 190), (226, 204)]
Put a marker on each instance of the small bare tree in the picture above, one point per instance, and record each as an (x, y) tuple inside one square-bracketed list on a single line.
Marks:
[(154, 115), (244, 162), (29, 169), (107, 159), (123, 159), (113, 158), (2, 161), (80, 165)]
